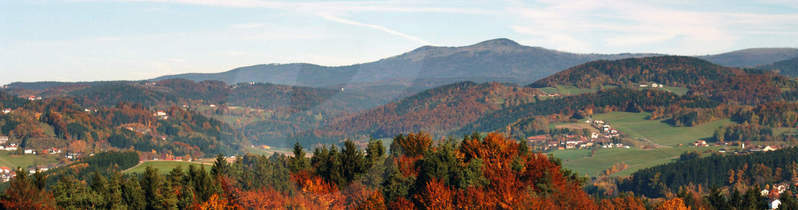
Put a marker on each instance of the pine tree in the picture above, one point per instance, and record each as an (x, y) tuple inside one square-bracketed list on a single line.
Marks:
[(132, 194), (374, 152), (220, 167), (113, 195), (353, 162), (299, 162), (69, 193)]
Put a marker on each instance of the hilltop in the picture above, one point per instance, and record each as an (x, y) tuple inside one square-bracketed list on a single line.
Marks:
[(699, 76)]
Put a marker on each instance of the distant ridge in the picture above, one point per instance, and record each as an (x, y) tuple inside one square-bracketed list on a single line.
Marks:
[(499, 60), (752, 57), (787, 67)]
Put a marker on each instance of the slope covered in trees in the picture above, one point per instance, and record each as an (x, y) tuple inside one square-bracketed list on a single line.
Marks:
[(490, 172), (756, 169), (751, 57), (617, 99), (438, 111), (499, 60), (787, 67), (59, 122), (701, 77)]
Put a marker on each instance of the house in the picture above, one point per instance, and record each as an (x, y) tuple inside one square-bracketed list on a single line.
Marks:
[(700, 143), (775, 204), (769, 148), (3, 139), (11, 147), (54, 150), (72, 155), (594, 135), (5, 170), (29, 152), (212, 105), (34, 98), (161, 114), (6, 111), (536, 138), (643, 85)]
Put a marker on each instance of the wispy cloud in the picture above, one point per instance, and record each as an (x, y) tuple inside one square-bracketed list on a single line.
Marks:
[(332, 6), (327, 9), (619, 24), (376, 27), (247, 25)]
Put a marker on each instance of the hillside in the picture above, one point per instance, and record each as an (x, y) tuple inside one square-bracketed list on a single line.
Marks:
[(439, 111), (500, 60), (787, 67), (752, 57), (701, 77), (62, 123)]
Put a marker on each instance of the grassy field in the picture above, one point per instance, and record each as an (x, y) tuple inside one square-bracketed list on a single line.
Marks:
[(268, 152), (581, 161), (571, 90), (677, 90), (163, 166), (635, 125), (8, 159)]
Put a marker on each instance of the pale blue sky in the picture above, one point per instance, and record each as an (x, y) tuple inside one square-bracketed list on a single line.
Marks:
[(82, 40)]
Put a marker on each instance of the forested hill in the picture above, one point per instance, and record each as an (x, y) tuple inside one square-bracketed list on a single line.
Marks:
[(517, 118), (787, 67), (756, 169), (751, 57), (438, 111), (58, 122), (179, 92), (500, 60), (701, 77)]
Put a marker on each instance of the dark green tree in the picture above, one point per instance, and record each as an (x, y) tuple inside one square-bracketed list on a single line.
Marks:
[(220, 167), (299, 162)]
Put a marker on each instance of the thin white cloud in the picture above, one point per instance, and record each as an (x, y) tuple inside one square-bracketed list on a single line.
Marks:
[(247, 25), (621, 24), (376, 27), (330, 6)]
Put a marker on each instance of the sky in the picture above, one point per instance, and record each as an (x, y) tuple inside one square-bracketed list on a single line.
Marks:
[(90, 40)]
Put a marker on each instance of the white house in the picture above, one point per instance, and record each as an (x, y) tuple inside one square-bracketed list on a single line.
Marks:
[(6, 111), (161, 114), (3, 139), (769, 148), (775, 204), (29, 152)]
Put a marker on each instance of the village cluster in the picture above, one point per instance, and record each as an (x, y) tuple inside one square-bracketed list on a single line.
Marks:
[(7, 173), (606, 138)]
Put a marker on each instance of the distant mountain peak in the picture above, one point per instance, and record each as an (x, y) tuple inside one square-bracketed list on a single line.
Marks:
[(498, 42)]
